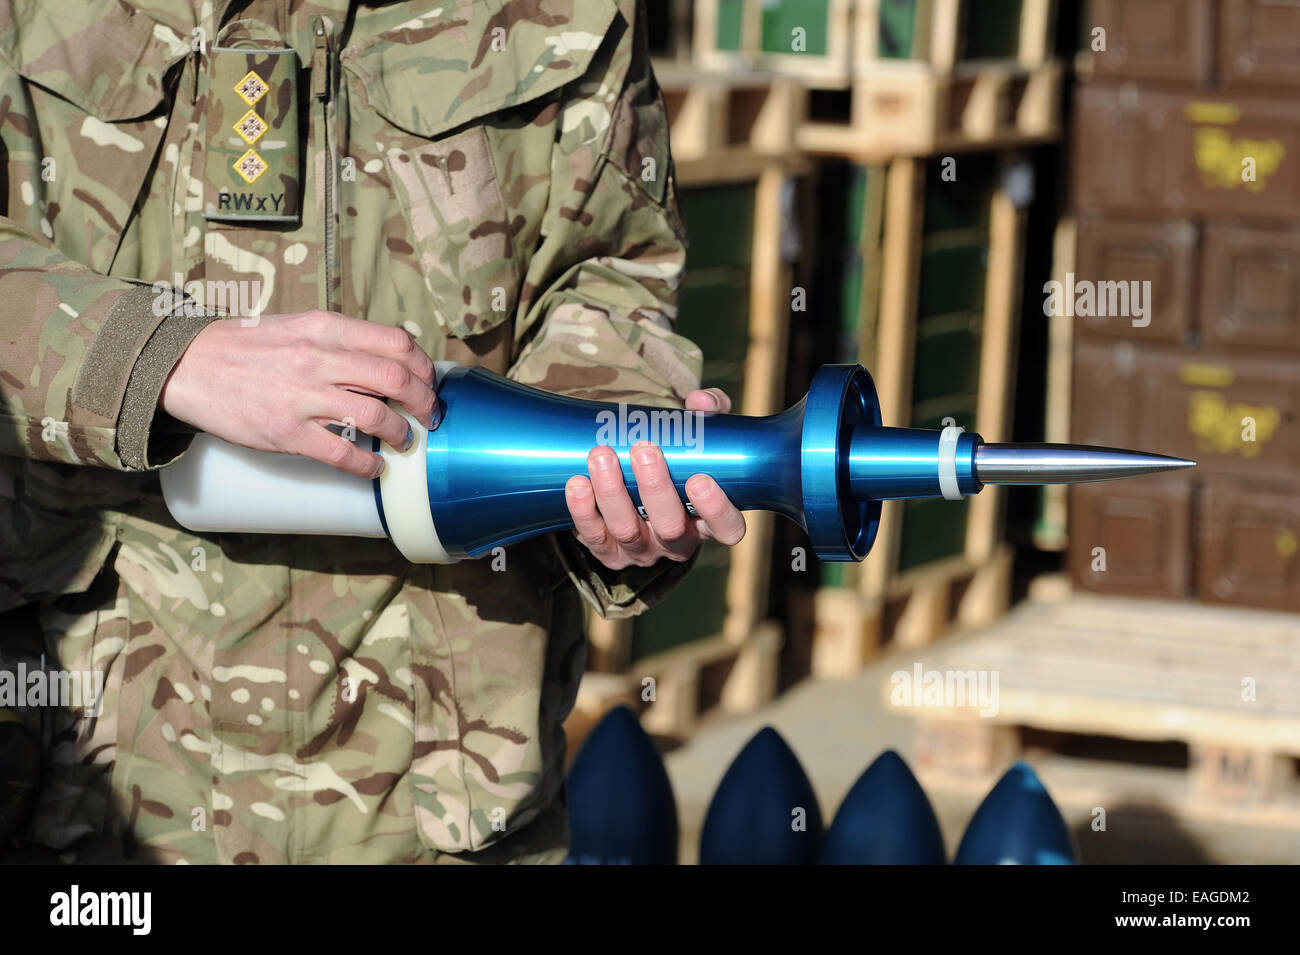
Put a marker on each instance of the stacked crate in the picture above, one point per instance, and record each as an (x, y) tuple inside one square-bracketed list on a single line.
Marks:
[(890, 78), (928, 106), (936, 268), (1187, 176)]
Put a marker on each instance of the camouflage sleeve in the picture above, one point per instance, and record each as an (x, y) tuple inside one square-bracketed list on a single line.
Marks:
[(601, 291), (85, 357)]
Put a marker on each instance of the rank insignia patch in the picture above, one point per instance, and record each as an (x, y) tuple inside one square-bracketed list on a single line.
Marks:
[(251, 88), (250, 127), (250, 166)]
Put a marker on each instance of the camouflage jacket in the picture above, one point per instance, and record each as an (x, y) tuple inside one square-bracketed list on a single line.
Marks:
[(493, 176)]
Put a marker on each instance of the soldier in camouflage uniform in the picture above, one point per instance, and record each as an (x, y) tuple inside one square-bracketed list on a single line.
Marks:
[(481, 180)]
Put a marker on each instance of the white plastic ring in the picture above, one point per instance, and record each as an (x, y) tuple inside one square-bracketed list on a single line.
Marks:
[(948, 462), (404, 490)]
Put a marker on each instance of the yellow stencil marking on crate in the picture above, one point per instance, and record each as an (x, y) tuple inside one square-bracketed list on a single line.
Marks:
[(251, 88), (250, 127), (1287, 544), (1223, 113), (1221, 159), (1220, 426), (1206, 376), (250, 167)]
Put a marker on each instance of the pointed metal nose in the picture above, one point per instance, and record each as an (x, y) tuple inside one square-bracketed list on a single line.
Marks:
[(1066, 463)]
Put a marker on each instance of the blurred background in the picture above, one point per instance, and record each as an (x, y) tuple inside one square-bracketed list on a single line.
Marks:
[(895, 182)]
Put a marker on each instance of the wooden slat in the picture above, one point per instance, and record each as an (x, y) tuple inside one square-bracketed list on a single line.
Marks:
[(943, 20), (1037, 31), (733, 167), (611, 643), (896, 343), (1146, 670), (846, 634), (751, 682), (1224, 625), (997, 362), (870, 247), (747, 579), (705, 55), (1150, 644), (907, 109), (769, 300), (1050, 534)]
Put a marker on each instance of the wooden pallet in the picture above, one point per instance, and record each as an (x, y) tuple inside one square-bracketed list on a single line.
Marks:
[(676, 690), (1119, 674), (853, 49), (713, 116), (919, 606), (909, 109)]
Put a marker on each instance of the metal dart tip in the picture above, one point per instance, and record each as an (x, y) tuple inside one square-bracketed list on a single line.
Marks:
[(1066, 463)]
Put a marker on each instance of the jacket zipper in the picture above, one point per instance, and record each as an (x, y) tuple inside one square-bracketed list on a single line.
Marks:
[(320, 80)]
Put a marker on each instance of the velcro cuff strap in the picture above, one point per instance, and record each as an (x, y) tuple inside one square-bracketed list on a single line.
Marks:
[(106, 367)]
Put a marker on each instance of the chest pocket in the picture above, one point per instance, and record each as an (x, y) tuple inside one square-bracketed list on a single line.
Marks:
[(95, 82), (447, 85)]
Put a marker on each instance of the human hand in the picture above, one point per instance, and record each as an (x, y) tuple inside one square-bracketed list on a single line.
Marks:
[(277, 384), (607, 523)]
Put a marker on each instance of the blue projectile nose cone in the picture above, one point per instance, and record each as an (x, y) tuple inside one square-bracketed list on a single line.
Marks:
[(884, 820), (765, 811), (621, 807), (1017, 824)]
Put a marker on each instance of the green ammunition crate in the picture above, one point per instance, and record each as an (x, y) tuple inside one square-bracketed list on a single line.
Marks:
[(855, 267), (931, 414), (782, 17), (950, 309), (731, 24), (960, 202), (947, 359), (932, 530), (953, 267), (896, 31), (714, 312), (779, 18), (992, 35), (719, 226)]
